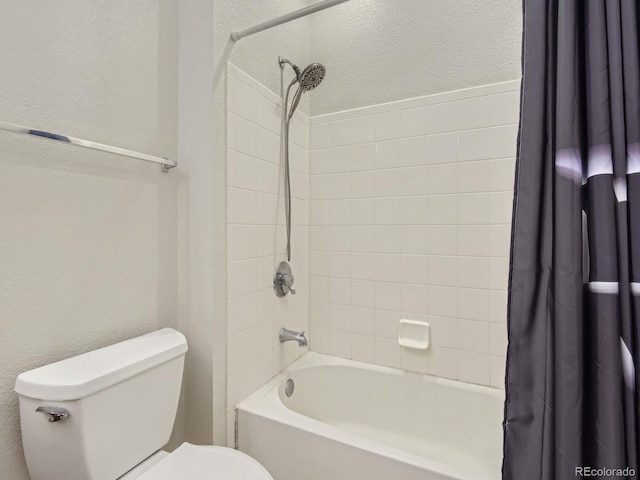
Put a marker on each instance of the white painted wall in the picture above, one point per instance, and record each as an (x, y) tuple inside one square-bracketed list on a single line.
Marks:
[(381, 51), (88, 244)]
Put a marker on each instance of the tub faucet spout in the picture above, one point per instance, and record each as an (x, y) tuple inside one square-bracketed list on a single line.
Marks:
[(290, 335)]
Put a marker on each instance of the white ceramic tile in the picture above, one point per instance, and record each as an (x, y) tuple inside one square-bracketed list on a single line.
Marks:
[(413, 269), (442, 117), (504, 108), (498, 306), (387, 182), (340, 291), (266, 208), (360, 130), (387, 267), (500, 204), (241, 242), (474, 367), (444, 331), (320, 340), (339, 212), (241, 135), (387, 125), (413, 239), (442, 179), (473, 240), (363, 266), (473, 144), (499, 273), (363, 239), (339, 238), (319, 137), (363, 184), (387, 211), (442, 240), (413, 210), (387, 154), (266, 177), (499, 240), (442, 148), (502, 174), (339, 264), (443, 301), (414, 181), (473, 113), (363, 348), (269, 115), (241, 312), (241, 206), (340, 344), (473, 336), (497, 371), (387, 352), (473, 272), (498, 339), (388, 296), (413, 298), (241, 278), (364, 211), (386, 324), (242, 100), (267, 146), (442, 210), (413, 121), (443, 362), (473, 177), (503, 141), (473, 209), (361, 157), (363, 293), (474, 304), (413, 360), (413, 151), (442, 270), (387, 239), (363, 321), (241, 170)]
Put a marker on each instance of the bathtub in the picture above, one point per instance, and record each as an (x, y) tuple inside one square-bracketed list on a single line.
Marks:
[(350, 420)]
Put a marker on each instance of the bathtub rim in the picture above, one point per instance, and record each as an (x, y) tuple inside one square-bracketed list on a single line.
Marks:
[(266, 403)]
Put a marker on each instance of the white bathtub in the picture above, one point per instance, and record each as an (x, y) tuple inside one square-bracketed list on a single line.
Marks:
[(352, 421)]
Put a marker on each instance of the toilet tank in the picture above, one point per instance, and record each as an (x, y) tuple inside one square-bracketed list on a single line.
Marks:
[(122, 402)]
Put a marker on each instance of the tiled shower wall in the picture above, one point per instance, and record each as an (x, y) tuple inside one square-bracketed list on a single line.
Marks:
[(256, 240), (410, 209)]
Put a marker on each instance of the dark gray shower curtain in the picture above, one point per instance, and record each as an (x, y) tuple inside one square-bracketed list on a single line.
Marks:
[(574, 294)]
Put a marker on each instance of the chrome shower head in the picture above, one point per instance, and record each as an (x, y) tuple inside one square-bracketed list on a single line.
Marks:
[(311, 76)]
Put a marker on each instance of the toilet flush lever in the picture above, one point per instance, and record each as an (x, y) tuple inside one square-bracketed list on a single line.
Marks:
[(55, 413)]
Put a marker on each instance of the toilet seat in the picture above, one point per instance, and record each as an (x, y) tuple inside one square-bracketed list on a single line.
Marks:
[(195, 462)]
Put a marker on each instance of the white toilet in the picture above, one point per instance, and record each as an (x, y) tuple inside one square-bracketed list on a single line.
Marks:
[(106, 414)]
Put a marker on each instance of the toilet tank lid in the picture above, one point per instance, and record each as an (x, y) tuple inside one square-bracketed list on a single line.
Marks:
[(83, 375)]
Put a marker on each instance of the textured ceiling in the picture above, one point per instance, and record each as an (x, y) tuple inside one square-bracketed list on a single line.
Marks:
[(379, 51)]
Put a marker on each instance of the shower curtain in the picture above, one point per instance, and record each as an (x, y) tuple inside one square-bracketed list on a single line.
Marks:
[(572, 389)]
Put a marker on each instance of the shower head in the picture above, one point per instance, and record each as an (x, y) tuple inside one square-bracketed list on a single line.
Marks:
[(311, 76)]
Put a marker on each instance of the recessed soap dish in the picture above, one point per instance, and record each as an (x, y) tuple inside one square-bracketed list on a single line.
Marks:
[(414, 334)]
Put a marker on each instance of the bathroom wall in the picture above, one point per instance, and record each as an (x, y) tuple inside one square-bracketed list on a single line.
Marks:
[(380, 52), (410, 210), (256, 236), (88, 243)]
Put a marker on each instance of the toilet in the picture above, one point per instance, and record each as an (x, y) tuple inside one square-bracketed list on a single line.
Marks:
[(106, 414)]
